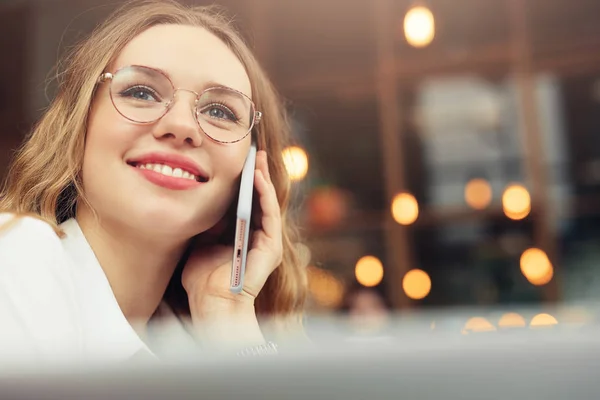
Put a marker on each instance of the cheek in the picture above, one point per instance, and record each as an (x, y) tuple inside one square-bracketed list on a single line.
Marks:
[(107, 140), (108, 134), (229, 162)]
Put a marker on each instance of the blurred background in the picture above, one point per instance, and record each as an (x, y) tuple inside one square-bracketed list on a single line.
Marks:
[(446, 150)]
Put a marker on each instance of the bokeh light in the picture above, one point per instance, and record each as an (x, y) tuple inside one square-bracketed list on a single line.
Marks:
[(419, 26), (536, 266), (327, 206), (516, 202), (296, 162), (512, 320), (324, 287), (542, 320), (478, 324), (478, 193), (369, 271), (416, 284), (405, 208)]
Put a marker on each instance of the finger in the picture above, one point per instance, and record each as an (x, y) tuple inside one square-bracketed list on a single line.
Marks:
[(256, 215), (271, 213), (262, 164)]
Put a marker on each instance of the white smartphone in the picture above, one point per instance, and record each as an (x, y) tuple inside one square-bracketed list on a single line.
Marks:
[(242, 227)]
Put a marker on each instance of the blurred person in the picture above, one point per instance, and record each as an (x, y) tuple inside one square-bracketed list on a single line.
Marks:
[(93, 248), (367, 311)]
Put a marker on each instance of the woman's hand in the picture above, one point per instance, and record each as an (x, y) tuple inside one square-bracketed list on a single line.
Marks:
[(223, 315)]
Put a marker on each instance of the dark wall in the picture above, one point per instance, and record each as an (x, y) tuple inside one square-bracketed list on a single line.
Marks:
[(14, 28)]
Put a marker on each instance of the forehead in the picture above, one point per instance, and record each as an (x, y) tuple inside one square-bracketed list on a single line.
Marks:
[(192, 57)]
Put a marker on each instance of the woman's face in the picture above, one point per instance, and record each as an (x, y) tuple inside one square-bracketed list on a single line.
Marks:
[(120, 176)]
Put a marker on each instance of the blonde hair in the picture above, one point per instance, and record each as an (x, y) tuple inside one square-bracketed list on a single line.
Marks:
[(43, 179)]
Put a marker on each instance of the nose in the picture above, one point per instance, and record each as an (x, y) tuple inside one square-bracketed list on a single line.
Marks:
[(179, 123)]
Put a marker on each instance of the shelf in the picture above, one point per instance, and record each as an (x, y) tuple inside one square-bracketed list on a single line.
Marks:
[(563, 57)]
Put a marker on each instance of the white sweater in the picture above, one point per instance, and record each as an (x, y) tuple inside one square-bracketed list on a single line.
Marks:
[(56, 304)]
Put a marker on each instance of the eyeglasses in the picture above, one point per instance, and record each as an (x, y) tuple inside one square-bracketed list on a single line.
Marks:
[(144, 95)]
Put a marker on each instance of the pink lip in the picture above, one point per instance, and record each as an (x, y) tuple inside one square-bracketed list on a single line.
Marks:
[(172, 160)]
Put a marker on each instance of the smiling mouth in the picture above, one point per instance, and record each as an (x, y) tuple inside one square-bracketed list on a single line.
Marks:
[(167, 170)]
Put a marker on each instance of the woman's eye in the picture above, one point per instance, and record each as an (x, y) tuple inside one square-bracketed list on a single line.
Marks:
[(140, 93), (220, 112)]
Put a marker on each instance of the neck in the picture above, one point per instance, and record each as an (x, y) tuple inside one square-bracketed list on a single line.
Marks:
[(138, 268)]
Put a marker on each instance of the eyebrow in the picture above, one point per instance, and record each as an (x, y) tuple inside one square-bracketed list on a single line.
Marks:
[(208, 85)]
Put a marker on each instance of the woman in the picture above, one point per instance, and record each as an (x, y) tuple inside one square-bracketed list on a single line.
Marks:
[(118, 207)]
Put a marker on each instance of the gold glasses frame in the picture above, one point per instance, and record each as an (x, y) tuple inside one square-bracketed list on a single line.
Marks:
[(256, 115)]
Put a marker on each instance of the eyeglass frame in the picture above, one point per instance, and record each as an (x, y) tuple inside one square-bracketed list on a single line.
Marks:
[(257, 115)]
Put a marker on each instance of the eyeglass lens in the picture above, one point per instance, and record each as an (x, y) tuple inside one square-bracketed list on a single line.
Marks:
[(144, 95)]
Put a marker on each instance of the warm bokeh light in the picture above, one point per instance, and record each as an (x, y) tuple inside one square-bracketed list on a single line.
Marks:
[(478, 324), (511, 320), (541, 281), (518, 216), (369, 271), (416, 284), (543, 320), (536, 266), (419, 26), (405, 208), (325, 288), (327, 206), (296, 162), (516, 202), (478, 193)]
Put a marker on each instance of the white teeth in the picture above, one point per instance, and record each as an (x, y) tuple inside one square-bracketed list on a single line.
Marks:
[(168, 171)]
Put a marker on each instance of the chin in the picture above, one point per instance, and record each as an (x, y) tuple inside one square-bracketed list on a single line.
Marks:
[(171, 224), (170, 221)]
